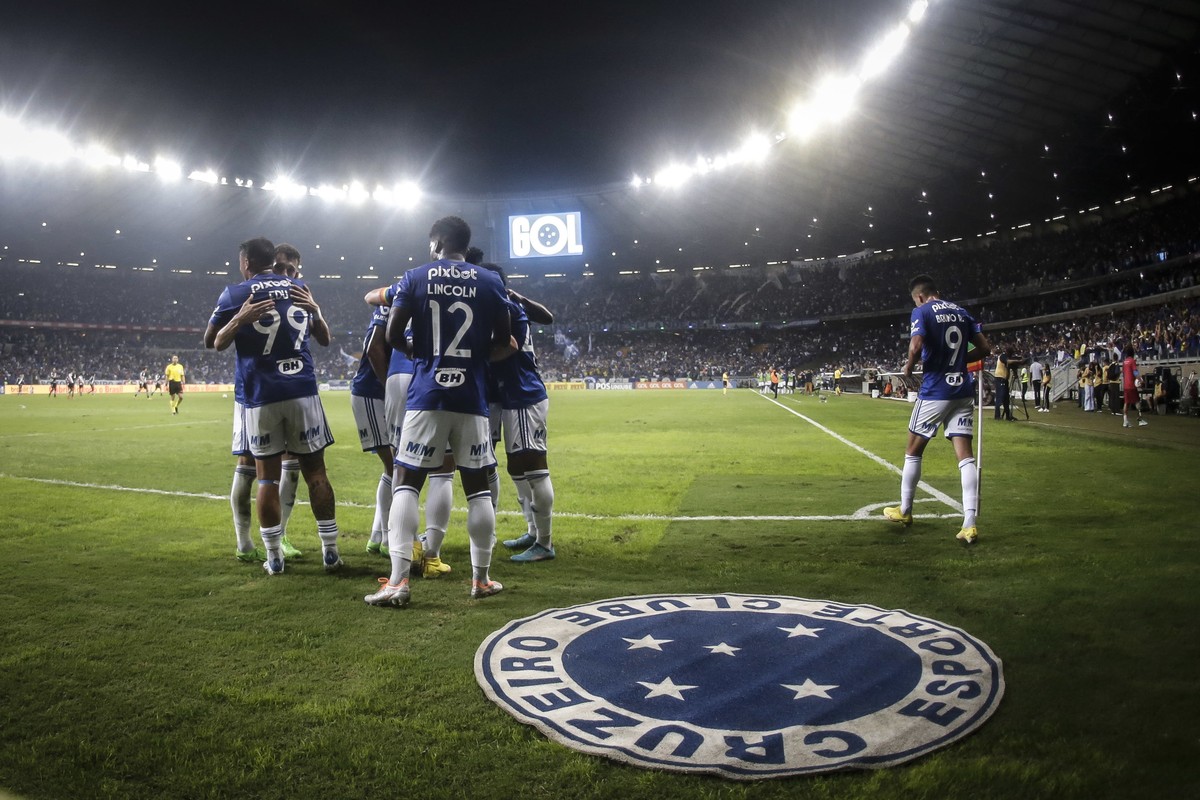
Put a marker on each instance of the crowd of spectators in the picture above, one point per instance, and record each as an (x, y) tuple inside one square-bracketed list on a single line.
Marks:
[(699, 325)]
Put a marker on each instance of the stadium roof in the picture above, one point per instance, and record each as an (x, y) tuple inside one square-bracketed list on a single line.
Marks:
[(995, 114)]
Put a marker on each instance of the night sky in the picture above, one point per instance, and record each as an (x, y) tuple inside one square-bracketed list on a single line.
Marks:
[(478, 98)]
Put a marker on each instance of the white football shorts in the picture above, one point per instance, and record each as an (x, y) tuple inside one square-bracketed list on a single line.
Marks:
[(371, 421), (395, 399), (525, 428), (241, 442), (427, 435), (297, 426), (956, 415)]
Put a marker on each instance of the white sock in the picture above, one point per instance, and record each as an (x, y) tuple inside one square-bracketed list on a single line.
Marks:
[(542, 506), (525, 499), (481, 528), (288, 478), (908, 482), (402, 530), (494, 488), (239, 501), (327, 530), (970, 489), (439, 499), (270, 539), (383, 508)]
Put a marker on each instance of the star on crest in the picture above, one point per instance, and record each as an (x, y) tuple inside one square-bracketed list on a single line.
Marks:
[(809, 689), (722, 648), (647, 642), (665, 688), (801, 630)]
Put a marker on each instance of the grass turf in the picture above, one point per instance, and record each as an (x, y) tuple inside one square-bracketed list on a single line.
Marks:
[(139, 659)]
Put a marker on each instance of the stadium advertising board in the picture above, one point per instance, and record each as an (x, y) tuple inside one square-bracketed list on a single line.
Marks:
[(611, 385), (545, 235), (661, 385)]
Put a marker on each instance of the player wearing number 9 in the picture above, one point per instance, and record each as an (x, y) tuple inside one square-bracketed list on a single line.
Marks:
[(940, 331)]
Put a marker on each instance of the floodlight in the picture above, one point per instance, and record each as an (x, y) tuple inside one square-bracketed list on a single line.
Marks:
[(98, 156), (403, 195), (755, 148), (286, 188), (168, 169), (835, 96), (328, 192), (672, 176), (356, 193), (133, 165), (917, 10), (884, 53), (207, 176)]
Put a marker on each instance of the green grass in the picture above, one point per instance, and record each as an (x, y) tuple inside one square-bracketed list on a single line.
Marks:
[(139, 659)]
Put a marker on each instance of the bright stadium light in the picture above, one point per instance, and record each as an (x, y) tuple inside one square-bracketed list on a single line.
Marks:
[(672, 176), (207, 176), (917, 11), (168, 169), (50, 147), (328, 192), (97, 156), (754, 149), (132, 164), (835, 97), (405, 194), (803, 122), (287, 188), (881, 56)]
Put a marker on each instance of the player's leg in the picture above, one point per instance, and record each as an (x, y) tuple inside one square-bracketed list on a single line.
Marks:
[(470, 440), (267, 502), (525, 440), (922, 425), (439, 501), (383, 500), (244, 474), (288, 482), (308, 436), (374, 437), (959, 432)]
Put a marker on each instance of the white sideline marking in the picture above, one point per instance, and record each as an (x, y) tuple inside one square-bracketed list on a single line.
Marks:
[(942, 496), (861, 514), (109, 430)]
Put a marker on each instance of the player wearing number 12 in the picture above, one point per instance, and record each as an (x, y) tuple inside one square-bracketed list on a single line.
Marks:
[(940, 332), (460, 322)]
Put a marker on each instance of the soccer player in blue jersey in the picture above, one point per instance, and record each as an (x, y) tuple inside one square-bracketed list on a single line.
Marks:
[(368, 403), (939, 334), (523, 409), (459, 316), (269, 318)]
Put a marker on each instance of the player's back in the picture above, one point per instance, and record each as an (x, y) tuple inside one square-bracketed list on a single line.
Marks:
[(273, 359), (518, 381), (454, 308), (947, 329)]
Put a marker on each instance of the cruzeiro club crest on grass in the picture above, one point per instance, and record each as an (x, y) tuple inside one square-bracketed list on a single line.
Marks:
[(744, 686)]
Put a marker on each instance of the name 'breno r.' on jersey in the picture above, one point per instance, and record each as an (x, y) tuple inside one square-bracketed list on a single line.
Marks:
[(946, 329), (273, 360), (454, 307)]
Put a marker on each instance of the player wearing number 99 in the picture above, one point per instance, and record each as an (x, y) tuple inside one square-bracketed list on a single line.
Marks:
[(460, 322), (940, 332), (269, 318)]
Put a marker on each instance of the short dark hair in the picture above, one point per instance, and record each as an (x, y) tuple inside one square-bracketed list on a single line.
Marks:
[(474, 256), (260, 253), (453, 233), (923, 283), (496, 268), (287, 252)]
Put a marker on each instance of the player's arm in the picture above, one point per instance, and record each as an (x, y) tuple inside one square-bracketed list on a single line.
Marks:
[(249, 312), (397, 322), (504, 344), (383, 296), (915, 343), (302, 296), (379, 352), (983, 348), (534, 310)]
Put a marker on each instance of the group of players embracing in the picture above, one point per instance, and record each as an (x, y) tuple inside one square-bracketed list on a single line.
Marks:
[(447, 370)]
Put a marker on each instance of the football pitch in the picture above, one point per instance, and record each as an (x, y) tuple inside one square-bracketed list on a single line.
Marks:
[(138, 658)]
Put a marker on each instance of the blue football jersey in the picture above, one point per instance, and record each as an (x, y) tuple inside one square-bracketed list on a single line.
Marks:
[(365, 382), (517, 382), (454, 307), (273, 361), (399, 364), (946, 329)]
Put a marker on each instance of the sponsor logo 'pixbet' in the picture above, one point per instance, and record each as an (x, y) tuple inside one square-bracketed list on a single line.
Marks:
[(546, 235)]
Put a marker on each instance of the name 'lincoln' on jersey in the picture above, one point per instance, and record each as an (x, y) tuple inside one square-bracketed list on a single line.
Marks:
[(946, 329), (454, 307), (273, 361)]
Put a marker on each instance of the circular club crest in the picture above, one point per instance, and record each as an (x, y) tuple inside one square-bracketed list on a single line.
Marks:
[(745, 686)]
